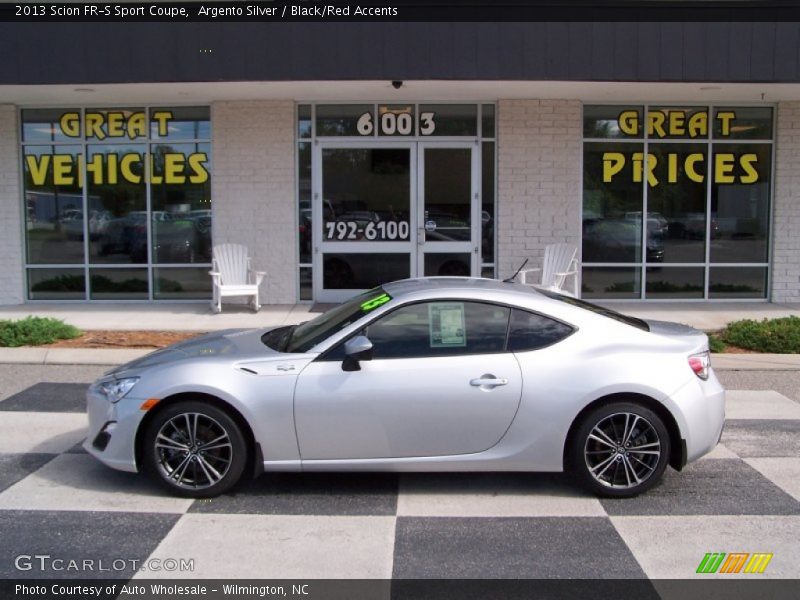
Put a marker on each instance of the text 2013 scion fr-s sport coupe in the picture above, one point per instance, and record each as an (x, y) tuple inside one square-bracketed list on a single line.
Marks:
[(440, 374)]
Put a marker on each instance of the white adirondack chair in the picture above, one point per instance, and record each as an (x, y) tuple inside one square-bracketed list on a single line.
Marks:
[(560, 261), (232, 275)]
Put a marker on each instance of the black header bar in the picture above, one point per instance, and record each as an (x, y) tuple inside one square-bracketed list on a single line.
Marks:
[(277, 11)]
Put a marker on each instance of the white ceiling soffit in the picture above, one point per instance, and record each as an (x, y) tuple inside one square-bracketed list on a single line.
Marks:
[(383, 91)]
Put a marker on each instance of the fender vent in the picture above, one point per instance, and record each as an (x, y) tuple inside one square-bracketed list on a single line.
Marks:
[(246, 370)]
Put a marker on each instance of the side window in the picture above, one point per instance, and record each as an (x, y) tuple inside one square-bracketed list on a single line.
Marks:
[(443, 328), (529, 331)]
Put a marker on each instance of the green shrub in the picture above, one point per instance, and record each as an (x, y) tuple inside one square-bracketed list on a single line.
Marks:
[(715, 344), (779, 336), (34, 331)]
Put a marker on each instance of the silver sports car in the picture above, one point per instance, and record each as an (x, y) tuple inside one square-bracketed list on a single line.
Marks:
[(437, 374)]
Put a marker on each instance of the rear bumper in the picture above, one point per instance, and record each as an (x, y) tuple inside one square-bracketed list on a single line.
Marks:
[(702, 407)]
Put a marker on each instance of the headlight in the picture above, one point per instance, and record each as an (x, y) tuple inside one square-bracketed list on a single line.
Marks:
[(115, 389)]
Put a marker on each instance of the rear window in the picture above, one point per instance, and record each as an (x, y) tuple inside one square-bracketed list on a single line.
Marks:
[(599, 310), (530, 331)]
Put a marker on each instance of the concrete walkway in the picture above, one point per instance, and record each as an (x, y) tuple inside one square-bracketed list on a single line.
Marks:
[(198, 316)]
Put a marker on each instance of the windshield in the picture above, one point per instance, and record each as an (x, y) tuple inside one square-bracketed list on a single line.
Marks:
[(307, 335), (606, 312)]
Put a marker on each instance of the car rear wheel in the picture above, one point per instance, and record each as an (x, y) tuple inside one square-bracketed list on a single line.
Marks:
[(194, 449), (620, 450)]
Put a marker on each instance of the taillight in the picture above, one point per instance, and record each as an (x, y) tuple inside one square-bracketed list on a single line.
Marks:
[(700, 364)]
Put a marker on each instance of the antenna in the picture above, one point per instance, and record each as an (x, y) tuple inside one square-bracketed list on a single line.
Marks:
[(514, 276)]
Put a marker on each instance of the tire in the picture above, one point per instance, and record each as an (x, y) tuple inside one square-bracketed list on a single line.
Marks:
[(601, 452), (176, 459)]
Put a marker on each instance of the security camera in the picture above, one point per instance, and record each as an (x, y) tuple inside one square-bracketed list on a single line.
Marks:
[(397, 84)]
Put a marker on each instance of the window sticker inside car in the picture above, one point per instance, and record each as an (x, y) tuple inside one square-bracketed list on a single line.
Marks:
[(375, 302), (446, 323)]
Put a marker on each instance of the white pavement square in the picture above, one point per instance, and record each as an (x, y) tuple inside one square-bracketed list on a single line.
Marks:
[(759, 404), (782, 471), (280, 547), (40, 432), (672, 547), (515, 495), (80, 482)]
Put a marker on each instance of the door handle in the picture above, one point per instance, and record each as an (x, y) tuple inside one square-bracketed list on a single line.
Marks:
[(488, 381)]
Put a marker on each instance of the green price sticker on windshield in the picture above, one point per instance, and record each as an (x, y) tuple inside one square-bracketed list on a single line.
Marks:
[(375, 302)]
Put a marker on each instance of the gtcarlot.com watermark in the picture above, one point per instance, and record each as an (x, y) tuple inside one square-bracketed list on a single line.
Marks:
[(48, 563)]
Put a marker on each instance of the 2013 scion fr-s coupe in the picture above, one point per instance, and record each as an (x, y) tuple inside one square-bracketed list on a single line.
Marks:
[(430, 374)]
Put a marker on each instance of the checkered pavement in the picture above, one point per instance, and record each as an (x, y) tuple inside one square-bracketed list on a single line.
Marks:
[(57, 500)]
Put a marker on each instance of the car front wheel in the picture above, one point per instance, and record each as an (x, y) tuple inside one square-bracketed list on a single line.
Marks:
[(194, 449), (620, 450)]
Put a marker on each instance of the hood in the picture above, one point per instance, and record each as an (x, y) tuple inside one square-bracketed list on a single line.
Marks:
[(231, 344)]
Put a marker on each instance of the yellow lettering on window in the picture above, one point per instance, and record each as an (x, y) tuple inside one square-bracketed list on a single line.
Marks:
[(698, 124), (71, 124), (173, 168), (689, 167), (116, 122), (125, 168), (162, 117), (723, 168), (62, 169), (94, 125), (613, 162), (748, 162), (628, 122), (37, 167), (197, 164), (137, 125), (725, 117), (655, 123)]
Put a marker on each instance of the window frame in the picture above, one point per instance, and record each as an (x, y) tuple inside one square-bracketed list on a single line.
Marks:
[(326, 356)]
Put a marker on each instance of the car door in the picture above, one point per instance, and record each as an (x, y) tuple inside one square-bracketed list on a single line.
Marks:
[(440, 383)]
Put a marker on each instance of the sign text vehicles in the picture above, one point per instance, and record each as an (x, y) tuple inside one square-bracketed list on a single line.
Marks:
[(111, 167), (171, 168)]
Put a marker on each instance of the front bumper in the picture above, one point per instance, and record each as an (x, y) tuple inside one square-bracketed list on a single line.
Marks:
[(112, 430)]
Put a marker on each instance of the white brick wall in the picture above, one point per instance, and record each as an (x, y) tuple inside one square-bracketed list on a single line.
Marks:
[(786, 210), (539, 179), (11, 276), (253, 190)]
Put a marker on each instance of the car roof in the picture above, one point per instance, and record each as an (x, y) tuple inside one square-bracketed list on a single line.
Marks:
[(438, 285)]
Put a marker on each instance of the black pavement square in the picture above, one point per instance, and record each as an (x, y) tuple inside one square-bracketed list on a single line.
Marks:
[(727, 486), (48, 397), (511, 548), (79, 536), (309, 494), (14, 467), (750, 438)]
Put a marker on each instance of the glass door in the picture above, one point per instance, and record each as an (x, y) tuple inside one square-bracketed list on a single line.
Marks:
[(448, 209), (362, 214)]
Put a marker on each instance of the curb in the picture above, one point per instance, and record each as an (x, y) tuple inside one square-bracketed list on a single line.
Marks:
[(27, 355)]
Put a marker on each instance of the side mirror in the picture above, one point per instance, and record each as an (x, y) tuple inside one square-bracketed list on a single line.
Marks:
[(356, 349)]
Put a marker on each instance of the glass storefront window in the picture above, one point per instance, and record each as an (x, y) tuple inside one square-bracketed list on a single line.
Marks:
[(612, 206), (54, 220), (117, 200), (189, 283), (118, 284), (740, 198), (343, 119), (623, 283), (304, 121), (487, 120), (612, 121), (688, 192), (448, 119), (86, 201), (676, 202), (488, 216), (56, 284), (181, 203), (751, 123)]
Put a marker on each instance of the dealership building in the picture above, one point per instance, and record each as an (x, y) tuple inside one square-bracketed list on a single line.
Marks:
[(344, 155)]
